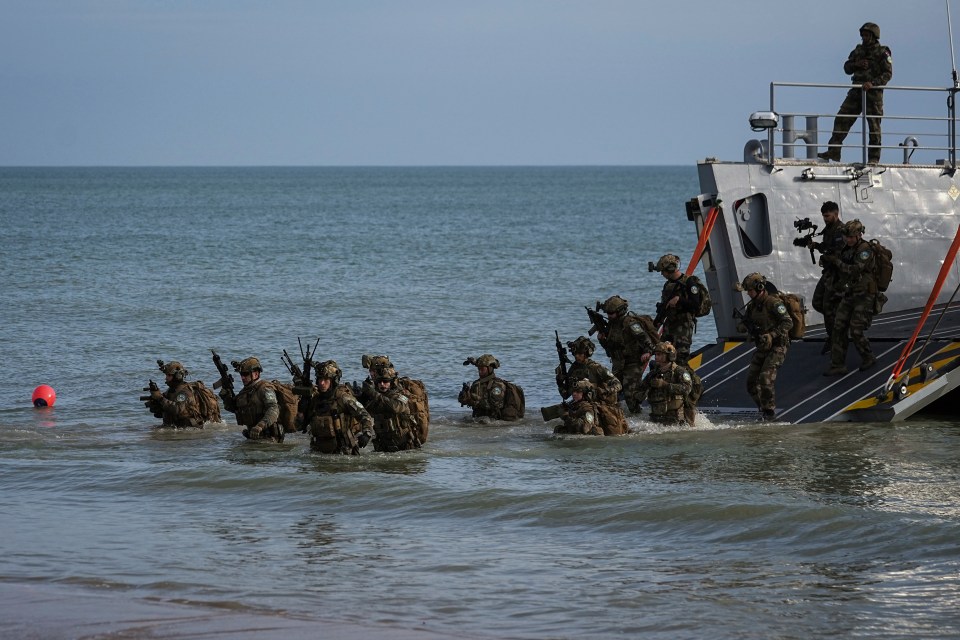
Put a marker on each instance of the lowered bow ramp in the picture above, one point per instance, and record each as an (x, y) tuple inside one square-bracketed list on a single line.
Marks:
[(805, 395)]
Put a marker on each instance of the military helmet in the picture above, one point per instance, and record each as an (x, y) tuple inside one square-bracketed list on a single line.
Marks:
[(615, 304), (667, 348), (329, 370), (753, 282), (585, 387), (668, 263), (853, 227), (174, 369), (583, 344), (873, 28), (487, 360), (385, 372), (375, 362), (248, 365)]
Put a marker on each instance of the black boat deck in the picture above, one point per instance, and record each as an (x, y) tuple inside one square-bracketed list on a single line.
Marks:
[(805, 395)]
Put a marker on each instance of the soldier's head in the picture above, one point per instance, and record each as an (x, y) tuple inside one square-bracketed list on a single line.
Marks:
[(384, 377), (372, 363), (669, 266), (582, 348), (584, 389), (665, 352), (486, 364), (249, 369), (615, 306), (853, 232), (174, 371), (870, 30), (328, 375), (830, 212), (754, 284)]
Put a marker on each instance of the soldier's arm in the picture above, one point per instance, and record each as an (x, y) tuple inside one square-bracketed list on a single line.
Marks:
[(784, 321), (271, 411), (850, 66)]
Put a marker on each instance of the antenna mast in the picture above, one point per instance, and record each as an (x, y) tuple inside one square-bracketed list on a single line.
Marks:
[(953, 58)]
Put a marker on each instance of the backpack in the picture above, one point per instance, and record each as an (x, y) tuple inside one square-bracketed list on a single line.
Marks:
[(646, 323), (884, 264), (207, 401), (513, 399), (416, 393), (289, 403), (706, 304), (797, 311), (611, 419), (690, 400)]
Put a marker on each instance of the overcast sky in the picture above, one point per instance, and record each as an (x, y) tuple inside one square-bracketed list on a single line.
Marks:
[(426, 82)]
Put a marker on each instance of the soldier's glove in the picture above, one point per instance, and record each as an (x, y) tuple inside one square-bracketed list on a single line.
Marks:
[(803, 241), (829, 261), (765, 341), (356, 388), (155, 395), (255, 432), (657, 383), (363, 439)]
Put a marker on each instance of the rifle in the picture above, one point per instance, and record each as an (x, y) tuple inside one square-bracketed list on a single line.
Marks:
[(738, 314), (597, 321), (564, 361), (807, 240), (226, 378), (151, 388), (464, 393)]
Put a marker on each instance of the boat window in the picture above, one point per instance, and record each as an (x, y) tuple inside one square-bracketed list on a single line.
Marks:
[(753, 226)]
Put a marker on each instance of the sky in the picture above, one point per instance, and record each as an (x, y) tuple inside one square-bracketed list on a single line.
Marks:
[(427, 82)]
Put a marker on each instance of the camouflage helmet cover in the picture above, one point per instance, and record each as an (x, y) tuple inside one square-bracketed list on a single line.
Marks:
[(615, 304), (487, 360), (583, 344), (853, 227), (329, 370), (753, 282), (871, 27), (585, 387), (174, 369), (375, 362), (249, 364), (667, 348), (385, 373), (668, 263)]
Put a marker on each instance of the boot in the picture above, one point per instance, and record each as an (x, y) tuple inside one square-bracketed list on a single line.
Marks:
[(835, 370), (768, 415), (868, 363), (830, 154)]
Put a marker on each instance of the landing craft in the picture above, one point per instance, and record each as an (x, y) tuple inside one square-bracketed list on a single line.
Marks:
[(746, 218)]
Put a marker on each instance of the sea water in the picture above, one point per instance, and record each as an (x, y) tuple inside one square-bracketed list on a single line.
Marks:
[(729, 530)]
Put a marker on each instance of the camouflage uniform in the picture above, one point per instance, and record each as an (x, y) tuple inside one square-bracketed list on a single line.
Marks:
[(607, 385), (178, 406), (665, 387), (825, 296), (626, 344), (878, 72), (255, 405), (679, 320), (335, 419), (857, 284), (393, 423), (768, 315), (487, 395), (581, 419)]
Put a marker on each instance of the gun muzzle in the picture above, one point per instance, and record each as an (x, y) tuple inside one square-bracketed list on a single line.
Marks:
[(553, 412)]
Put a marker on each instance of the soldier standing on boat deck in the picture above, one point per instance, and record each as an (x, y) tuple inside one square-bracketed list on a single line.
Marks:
[(678, 306), (826, 297), (857, 283), (768, 322), (628, 345), (871, 65)]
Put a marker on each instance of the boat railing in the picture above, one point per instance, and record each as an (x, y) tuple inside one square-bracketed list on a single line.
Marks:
[(925, 135)]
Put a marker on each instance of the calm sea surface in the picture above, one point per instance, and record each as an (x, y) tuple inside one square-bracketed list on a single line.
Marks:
[(732, 530)]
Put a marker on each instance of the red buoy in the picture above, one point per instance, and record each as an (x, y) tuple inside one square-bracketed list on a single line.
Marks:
[(44, 396)]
